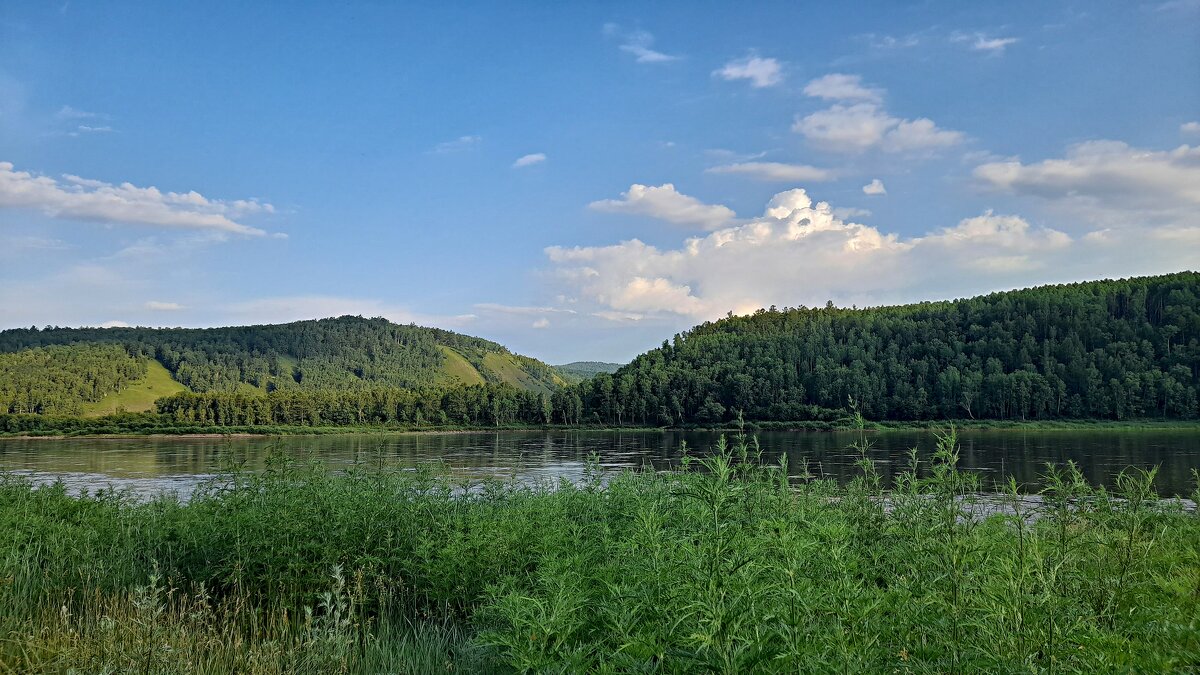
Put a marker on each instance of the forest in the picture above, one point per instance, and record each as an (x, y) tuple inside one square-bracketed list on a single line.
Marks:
[(1105, 350), (60, 380), (1116, 350), (328, 354)]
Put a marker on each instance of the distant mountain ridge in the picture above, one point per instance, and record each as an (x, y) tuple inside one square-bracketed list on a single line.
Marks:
[(73, 370), (577, 371)]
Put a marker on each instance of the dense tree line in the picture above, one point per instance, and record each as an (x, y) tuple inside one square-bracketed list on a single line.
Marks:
[(1107, 349), (472, 405), (60, 380), (344, 353)]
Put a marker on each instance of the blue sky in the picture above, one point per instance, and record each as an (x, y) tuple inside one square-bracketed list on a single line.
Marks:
[(582, 181)]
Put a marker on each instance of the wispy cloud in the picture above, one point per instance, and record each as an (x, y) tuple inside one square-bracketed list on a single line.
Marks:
[(982, 43), (68, 113), (75, 198), (639, 43), (159, 306), (529, 160), (457, 145), (776, 171), (761, 72), (1189, 128)]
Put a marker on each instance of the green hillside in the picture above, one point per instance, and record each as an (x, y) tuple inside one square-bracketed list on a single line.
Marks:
[(1100, 350), (138, 395), (93, 370)]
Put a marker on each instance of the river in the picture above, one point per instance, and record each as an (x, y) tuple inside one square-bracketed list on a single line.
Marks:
[(146, 466)]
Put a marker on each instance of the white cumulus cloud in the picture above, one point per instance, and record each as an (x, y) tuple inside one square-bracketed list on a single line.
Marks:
[(664, 202), (875, 187), (858, 122), (841, 87), (762, 72), (801, 252), (1107, 181), (75, 198)]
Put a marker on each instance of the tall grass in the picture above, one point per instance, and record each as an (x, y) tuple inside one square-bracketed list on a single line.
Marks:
[(727, 565)]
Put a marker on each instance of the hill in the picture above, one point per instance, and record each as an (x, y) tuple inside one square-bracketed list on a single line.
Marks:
[(94, 370), (578, 371), (1103, 350)]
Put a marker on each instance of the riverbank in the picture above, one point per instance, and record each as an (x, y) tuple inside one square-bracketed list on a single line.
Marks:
[(731, 568), (152, 425)]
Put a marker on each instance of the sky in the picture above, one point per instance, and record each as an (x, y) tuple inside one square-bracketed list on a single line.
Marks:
[(580, 181)]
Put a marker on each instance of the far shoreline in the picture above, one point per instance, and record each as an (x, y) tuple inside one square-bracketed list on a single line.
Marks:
[(242, 433)]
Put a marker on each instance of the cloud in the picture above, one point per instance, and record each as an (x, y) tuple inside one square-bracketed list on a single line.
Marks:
[(68, 113), (891, 41), (1108, 181), (114, 324), (761, 72), (840, 87), (1189, 128), (800, 252), (157, 306), (457, 145), (13, 244), (847, 212), (529, 160), (858, 121), (519, 310), (864, 126), (540, 323), (665, 203), (83, 128), (776, 171), (75, 198), (638, 43), (982, 43), (875, 187)]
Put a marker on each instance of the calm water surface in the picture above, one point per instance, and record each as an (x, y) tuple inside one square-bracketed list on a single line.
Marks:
[(150, 465)]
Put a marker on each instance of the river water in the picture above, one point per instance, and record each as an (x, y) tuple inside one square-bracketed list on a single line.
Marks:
[(146, 466)]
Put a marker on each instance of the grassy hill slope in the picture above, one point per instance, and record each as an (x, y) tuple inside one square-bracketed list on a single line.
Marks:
[(139, 395)]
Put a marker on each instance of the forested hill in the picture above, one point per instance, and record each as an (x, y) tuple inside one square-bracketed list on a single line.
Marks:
[(63, 369), (578, 371), (1106, 349)]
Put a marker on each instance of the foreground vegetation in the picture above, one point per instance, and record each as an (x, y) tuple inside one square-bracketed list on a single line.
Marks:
[(724, 566)]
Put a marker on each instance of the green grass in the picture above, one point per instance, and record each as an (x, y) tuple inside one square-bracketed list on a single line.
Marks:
[(140, 395), (725, 566), (457, 368), (507, 370)]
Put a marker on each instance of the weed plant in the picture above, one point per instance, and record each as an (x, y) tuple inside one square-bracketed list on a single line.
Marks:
[(726, 565)]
